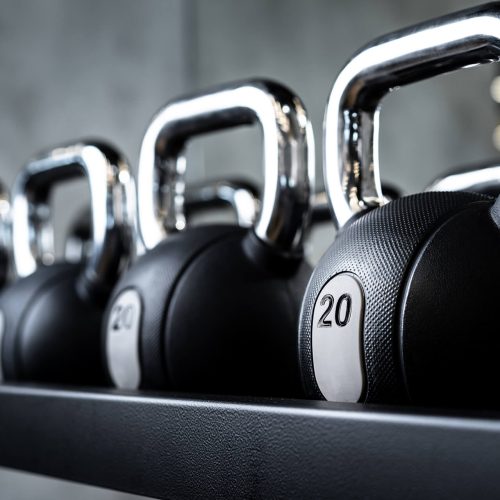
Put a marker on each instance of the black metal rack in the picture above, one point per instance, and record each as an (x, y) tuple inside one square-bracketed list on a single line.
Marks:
[(176, 446)]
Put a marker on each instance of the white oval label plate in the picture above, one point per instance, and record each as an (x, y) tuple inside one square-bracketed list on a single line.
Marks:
[(122, 340), (337, 339)]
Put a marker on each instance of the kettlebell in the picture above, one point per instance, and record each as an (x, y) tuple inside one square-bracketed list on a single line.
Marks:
[(240, 195), (214, 308), (52, 315), (402, 308), (483, 178)]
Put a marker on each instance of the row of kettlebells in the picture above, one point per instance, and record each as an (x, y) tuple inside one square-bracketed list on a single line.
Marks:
[(401, 308)]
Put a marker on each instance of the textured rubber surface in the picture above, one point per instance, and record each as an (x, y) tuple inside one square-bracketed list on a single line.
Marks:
[(51, 333), (215, 318), (13, 301), (449, 333), (154, 277), (378, 248), (231, 325)]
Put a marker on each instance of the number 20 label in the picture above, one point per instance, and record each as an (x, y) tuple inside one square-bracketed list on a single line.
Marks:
[(122, 340), (337, 327), (329, 299)]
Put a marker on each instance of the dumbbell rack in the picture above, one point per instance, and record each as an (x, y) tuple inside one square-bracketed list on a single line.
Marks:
[(166, 445)]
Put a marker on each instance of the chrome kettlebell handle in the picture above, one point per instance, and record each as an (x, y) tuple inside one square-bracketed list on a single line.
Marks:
[(112, 204), (241, 196), (288, 159), (351, 164), (485, 178), (321, 210)]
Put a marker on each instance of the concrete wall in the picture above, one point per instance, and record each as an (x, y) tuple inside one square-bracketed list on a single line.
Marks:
[(102, 68)]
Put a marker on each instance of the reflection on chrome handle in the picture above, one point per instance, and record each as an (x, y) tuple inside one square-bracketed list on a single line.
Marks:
[(481, 179), (288, 159), (321, 210), (111, 190), (445, 44), (241, 196)]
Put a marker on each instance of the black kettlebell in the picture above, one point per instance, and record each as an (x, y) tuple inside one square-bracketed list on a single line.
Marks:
[(52, 315), (403, 306), (241, 196), (215, 308)]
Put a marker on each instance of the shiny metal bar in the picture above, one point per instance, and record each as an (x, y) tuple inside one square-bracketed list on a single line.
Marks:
[(351, 165), (240, 195), (484, 179), (288, 159), (321, 209), (111, 192)]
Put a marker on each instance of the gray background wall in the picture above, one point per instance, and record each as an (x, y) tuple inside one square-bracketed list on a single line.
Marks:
[(101, 68)]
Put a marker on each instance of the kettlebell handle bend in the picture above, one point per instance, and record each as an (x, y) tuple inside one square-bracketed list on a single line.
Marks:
[(288, 159), (112, 199), (351, 163)]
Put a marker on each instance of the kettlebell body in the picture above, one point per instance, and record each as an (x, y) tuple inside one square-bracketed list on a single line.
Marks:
[(208, 313), (58, 333)]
